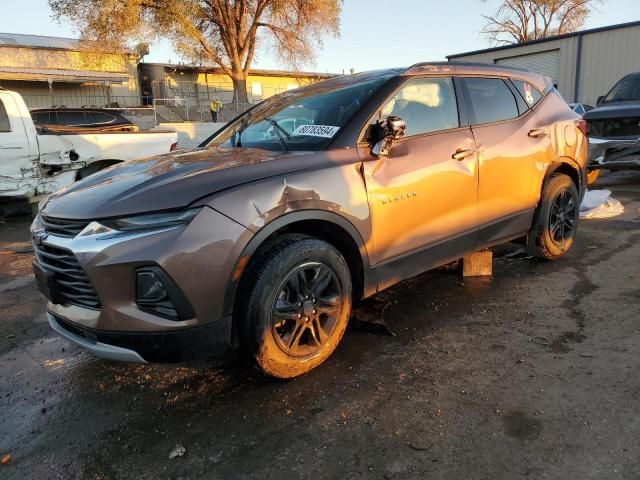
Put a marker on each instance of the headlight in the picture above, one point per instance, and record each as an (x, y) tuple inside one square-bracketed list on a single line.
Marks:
[(152, 221)]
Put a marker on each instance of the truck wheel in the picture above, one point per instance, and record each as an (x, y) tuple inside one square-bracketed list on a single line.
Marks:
[(296, 305), (556, 219), (592, 176)]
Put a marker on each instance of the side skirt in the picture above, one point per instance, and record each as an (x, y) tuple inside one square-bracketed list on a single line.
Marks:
[(414, 263)]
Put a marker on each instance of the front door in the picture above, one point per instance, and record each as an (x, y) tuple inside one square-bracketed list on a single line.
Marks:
[(424, 194)]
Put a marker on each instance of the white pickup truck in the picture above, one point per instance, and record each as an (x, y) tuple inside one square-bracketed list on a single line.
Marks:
[(36, 162)]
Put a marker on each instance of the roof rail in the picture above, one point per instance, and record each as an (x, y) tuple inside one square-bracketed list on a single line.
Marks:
[(464, 64)]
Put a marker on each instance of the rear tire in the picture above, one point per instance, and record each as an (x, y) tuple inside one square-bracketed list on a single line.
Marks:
[(556, 219), (296, 305)]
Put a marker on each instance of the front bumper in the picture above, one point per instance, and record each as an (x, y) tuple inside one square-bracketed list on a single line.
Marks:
[(200, 343), (199, 258), (614, 153)]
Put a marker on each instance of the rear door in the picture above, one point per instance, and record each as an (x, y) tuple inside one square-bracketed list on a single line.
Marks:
[(420, 195), (512, 149)]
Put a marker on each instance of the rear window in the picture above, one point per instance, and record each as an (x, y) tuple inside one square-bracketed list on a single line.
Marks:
[(491, 100), (70, 118), (99, 117), (5, 125), (530, 93), (40, 118)]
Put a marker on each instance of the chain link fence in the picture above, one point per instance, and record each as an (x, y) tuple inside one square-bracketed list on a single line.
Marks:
[(146, 111), (175, 110)]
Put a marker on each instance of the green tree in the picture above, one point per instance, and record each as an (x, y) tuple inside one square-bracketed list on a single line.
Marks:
[(225, 33)]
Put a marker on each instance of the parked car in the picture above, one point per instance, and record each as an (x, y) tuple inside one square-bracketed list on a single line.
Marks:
[(614, 128), (84, 118), (35, 162), (580, 108), (265, 236)]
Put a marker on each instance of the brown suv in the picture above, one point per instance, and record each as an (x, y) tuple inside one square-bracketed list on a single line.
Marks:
[(266, 235)]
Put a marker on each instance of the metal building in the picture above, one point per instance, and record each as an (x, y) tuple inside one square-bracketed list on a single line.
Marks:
[(54, 71), (583, 65)]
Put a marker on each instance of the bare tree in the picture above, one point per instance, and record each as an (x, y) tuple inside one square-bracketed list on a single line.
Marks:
[(518, 21), (227, 33)]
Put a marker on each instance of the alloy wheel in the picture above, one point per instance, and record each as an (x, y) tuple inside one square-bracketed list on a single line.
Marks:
[(562, 218), (306, 309)]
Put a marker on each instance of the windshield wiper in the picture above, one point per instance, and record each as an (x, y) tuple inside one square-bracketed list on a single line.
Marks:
[(281, 132)]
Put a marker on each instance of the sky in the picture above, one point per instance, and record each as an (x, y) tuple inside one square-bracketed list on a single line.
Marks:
[(374, 34)]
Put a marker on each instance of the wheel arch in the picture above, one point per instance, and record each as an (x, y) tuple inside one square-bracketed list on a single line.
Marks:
[(568, 167), (327, 226)]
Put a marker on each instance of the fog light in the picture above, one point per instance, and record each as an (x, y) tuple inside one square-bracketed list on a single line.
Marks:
[(150, 288), (156, 293)]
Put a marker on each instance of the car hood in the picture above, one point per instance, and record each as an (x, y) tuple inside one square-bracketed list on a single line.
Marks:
[(614, 110), (169, 181)]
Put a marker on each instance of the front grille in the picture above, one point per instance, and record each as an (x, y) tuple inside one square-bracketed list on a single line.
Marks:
[(62, 227), (71, 281)]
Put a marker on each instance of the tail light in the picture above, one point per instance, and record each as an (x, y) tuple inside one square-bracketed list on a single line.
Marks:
[(174, 147), (582, 126)]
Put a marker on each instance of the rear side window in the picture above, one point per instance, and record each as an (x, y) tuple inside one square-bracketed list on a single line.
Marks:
[(425, 104), (491, 100), (530, 93), (5, 125)]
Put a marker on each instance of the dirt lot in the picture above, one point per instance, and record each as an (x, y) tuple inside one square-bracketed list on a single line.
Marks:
[(531, 374)]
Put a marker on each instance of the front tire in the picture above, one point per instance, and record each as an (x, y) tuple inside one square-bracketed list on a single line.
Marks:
[(556, 219), (296, 305)]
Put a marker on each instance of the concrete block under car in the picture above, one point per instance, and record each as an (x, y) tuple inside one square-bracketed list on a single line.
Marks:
[(478, 264)]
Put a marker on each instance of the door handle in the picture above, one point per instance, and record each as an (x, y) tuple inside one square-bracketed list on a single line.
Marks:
[(537, 133), (11, 147), (462, 154)]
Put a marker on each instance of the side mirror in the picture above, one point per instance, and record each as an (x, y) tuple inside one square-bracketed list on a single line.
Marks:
[(387, 131), (600, 99)]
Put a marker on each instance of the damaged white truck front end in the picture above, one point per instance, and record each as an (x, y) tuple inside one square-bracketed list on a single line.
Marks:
[(35, 163)]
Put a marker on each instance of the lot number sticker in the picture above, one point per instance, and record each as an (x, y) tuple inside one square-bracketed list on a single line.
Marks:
[(324, 131)]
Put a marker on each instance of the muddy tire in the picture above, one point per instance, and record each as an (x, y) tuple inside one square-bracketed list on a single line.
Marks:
[(556, 219), (592, 177), (295, 306)]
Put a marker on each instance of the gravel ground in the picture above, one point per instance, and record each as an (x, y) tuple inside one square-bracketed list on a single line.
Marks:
[(532, 373)]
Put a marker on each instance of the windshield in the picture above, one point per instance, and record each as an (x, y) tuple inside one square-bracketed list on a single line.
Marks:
[(627, 89), (305, 119)]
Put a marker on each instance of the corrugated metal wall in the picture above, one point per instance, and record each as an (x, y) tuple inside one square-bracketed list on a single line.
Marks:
[(566, 49), (606, 57), (547, 63)]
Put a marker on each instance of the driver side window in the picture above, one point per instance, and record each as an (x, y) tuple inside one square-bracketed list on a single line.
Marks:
[(425, 104)]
